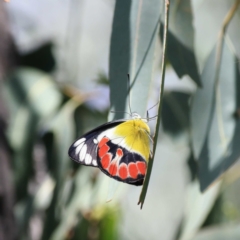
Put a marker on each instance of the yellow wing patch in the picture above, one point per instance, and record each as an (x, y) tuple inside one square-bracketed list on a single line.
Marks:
[(135, 132)]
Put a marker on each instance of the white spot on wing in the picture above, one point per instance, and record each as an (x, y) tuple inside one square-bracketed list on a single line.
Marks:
[(108, 133), (88, 159), (94, 162), (118, 141), (95, 141), (83, 152), (77, 150), (79, 142)]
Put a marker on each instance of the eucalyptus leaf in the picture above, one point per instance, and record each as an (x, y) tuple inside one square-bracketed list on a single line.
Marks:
[(220, 143), (202, 109), (201, 106), (87, 197), (133, 41), (145, 23), (232, 32), (180, 47), (31, 96), (198, 206), (63, 130), (208, 20), (79, 201), (220, 232), (120, 57), (133, 45), (175, 112), (33, 88)]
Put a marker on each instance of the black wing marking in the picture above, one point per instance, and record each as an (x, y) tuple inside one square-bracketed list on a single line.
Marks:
[(84, 150), (119, 163)]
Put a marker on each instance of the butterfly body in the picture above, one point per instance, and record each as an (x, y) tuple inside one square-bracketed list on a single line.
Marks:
[(120, 149)]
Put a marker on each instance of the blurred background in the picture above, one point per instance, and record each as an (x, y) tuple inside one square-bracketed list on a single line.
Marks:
[(55, 61)]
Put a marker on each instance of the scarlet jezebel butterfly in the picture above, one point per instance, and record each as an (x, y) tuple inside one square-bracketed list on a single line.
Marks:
[(120, 149)]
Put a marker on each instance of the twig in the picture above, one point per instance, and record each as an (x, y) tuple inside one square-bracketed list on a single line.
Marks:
[(150, 164)]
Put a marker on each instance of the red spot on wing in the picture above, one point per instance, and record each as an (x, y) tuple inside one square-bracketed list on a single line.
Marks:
[(103, 150), (103, 141), (119, 152), (142, 167), (106, 160), (113, 169), (133, 170), (123, 171)]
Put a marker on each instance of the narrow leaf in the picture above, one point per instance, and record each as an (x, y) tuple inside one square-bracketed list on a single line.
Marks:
[(215, 130), (133, 41), (150, 164), (180, 50), (197, 209)]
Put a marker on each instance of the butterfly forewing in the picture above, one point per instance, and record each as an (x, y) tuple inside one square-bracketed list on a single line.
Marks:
[(84, 150)]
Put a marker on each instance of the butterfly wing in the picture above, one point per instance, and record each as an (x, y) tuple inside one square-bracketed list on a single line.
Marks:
[(119, 163), (84, 150), (104, 148)]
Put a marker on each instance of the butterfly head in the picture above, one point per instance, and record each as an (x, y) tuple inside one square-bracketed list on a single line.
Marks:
[(135, 115)]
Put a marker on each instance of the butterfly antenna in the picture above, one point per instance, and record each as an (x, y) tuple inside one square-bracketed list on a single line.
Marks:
[(153, 106), (147, 115), (152, 118), (129, 95), (148, 119)]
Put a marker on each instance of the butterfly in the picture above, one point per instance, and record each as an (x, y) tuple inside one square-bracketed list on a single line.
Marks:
[(120, 149)]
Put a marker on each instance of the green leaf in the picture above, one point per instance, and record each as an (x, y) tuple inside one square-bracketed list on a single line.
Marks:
[(87, 196), (57, 144), (220, 232), (33, 89), (208, 20), (133, 40), (155, 137), (215, 131), (180, 50), (119, 57), (145, 19), (39, 58), (201, 106), (233, 32), (175, 112), (109, 224), (81, 200), (198, 206), (31, 96)]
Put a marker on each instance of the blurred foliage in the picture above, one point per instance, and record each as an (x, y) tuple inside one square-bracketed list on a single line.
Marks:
[(41, 58), (175, 112), (42, 127), (103, 79), (56, 198)]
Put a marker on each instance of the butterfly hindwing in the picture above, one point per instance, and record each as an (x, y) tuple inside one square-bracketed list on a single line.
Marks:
[(119, 163)]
